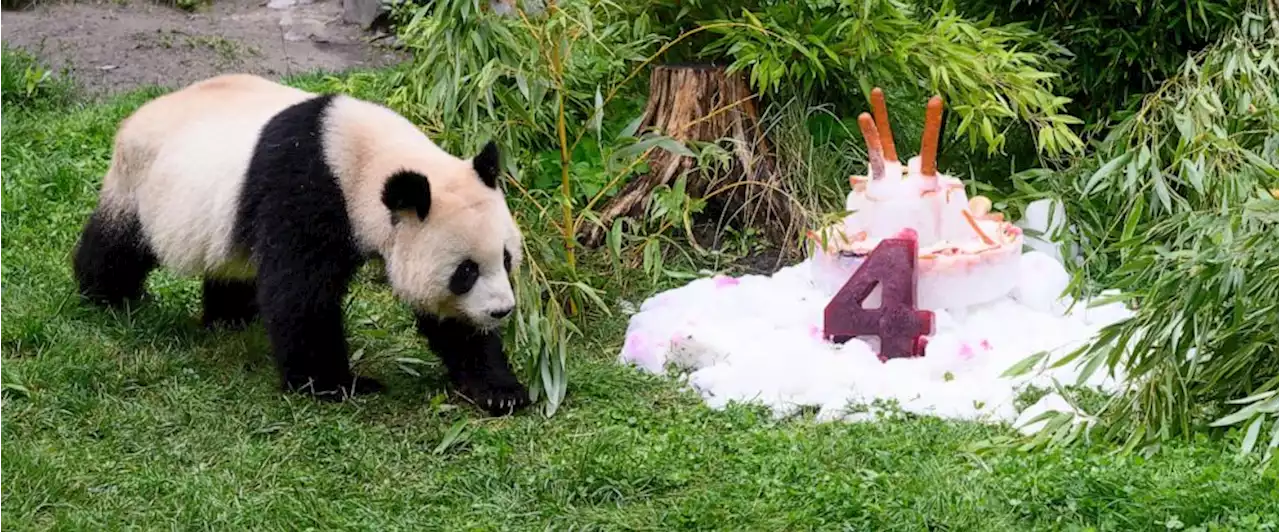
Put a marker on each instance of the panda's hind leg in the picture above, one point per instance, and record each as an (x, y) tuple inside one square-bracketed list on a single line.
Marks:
[(112, 258), (229, 303)]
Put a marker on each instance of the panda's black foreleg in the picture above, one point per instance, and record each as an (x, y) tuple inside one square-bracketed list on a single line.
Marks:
[(475, 363), (112, 258), (229, 303), (300, 299)]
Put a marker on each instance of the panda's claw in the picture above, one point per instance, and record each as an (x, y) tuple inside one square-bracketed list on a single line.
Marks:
[(497, 398)]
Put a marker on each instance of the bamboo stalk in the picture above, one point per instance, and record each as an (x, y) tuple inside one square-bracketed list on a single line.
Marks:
[(566, 187)]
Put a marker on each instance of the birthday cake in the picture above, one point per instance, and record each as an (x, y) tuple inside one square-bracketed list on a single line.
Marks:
[(967, 253)]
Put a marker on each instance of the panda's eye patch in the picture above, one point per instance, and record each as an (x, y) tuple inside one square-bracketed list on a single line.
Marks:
[(464, 277), (506, 260)]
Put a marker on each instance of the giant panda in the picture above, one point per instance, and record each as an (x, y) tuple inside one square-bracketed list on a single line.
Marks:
[(275, 196)]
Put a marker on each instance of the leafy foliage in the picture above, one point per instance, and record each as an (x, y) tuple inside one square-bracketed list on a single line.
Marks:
[(993, 76), (476, 74), (1120, 49), (1179, 211), (1205, 141)]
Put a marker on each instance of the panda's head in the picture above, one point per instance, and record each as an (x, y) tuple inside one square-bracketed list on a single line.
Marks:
[(454, 243)]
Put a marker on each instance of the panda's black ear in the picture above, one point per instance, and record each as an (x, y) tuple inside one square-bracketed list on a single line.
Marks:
[(486, 164), (407, 191)]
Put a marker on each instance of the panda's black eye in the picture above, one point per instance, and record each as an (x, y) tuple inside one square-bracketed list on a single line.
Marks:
[(464, 277), (506, 260)]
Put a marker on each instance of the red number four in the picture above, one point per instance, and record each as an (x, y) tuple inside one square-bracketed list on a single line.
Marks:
[(898, 324)]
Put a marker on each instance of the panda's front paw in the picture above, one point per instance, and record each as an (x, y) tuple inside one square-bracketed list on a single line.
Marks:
[(497, 396)]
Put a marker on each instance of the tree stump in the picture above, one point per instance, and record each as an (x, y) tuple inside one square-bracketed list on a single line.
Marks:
[(705, 103)]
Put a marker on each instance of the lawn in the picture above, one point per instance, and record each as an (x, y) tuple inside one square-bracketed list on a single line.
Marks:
[(144, 420)]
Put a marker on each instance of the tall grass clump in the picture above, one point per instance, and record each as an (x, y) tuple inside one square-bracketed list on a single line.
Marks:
[(1178, 211), (26, 83)]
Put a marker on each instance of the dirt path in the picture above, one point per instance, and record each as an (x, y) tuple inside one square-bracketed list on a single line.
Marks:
[(115, 46)]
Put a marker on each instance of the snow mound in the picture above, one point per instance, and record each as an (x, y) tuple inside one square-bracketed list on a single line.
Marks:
[(758, 339)]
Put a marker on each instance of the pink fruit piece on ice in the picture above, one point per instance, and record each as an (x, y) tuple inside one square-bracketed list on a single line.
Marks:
[(723, 281)]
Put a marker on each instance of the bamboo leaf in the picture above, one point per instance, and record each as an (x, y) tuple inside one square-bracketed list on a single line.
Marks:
[(631, 128), (1105, 171), (1024, 365), (1253, 398), (1251, 436), (1242, 414), (1133, 218), (1162, 190), (456, 436), (597, 118), (1090, 366)]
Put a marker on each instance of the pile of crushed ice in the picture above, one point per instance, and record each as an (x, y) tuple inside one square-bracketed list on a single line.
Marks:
[(759, 339)]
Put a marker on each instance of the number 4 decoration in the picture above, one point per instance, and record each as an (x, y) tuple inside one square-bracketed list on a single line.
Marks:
[(899, 325)]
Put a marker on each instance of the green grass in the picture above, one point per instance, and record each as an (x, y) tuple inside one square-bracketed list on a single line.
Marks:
[(27, 83), (143, 420)]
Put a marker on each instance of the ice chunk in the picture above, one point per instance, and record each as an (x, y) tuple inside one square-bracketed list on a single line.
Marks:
[(1041, 281)]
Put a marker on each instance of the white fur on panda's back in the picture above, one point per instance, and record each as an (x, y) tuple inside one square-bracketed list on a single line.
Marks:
[(182, 159)]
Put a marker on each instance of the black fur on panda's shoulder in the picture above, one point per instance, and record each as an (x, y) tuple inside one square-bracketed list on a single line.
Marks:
[(293, 222), (288, 177)]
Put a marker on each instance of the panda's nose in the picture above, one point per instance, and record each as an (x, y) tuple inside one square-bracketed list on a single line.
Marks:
[(499, 314)]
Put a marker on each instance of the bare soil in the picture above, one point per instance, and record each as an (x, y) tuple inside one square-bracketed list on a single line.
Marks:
[(117, 46)]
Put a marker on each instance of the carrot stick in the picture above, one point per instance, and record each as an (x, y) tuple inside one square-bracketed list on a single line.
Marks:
[(929, 144), (875, 154), (882, 123), (974, 224)]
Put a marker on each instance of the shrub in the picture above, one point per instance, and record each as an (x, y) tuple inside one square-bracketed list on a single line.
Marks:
[(1121, 49), (1178, 210)]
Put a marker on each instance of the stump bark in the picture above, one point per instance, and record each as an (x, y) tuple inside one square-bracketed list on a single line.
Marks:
[(705, 103)]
